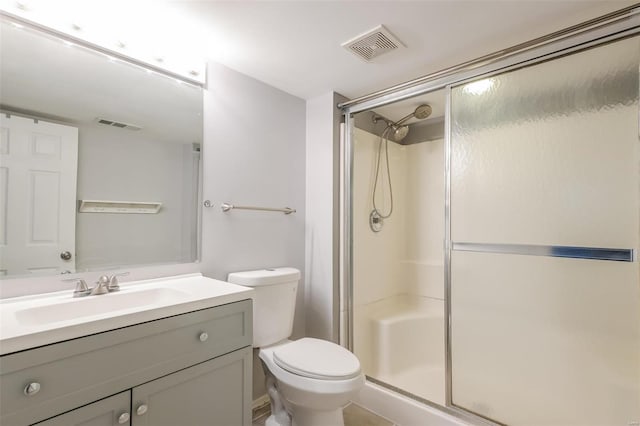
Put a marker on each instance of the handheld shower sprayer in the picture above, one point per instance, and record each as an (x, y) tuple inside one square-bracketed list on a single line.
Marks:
[(398, 131)]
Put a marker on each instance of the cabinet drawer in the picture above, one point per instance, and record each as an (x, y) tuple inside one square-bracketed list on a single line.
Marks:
[(79, 371), (112, 411)]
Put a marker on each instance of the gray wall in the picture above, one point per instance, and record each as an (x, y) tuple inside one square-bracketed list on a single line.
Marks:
[(124, 165), (253, 154)]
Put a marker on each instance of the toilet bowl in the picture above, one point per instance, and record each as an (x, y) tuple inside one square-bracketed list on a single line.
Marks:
[(308, 380), (315, 378)]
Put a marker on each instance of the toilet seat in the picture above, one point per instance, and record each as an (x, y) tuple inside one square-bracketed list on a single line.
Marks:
[(317, 359)]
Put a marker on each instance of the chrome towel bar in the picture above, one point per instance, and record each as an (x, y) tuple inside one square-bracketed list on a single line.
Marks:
[(228, 206)]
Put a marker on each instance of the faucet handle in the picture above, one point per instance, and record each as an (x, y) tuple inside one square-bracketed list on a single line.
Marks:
[(82, 289), (101, 286), (114, 285)]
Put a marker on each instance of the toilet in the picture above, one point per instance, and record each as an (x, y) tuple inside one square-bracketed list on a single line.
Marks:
[(308, 380)]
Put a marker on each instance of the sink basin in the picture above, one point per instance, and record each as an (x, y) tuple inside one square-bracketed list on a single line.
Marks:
[(32, 321), (98, 305)]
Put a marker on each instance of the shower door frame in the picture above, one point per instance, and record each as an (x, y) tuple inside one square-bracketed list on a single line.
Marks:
[(618, 25)]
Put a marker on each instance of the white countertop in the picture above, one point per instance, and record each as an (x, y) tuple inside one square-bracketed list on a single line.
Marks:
[(31, 321)]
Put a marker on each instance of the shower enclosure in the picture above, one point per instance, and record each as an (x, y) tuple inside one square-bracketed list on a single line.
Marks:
[(503, 285)]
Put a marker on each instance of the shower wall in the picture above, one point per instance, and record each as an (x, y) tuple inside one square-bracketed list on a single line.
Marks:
[(398, 272)]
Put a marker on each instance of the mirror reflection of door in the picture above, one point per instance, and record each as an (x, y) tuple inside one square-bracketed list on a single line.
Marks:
[(38, 173)]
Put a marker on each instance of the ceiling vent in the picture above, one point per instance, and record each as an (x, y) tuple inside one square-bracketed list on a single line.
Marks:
[(373, 43), (117, 124)]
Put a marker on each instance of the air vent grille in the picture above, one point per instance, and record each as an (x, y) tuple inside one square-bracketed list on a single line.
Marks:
[(118, 124), (373, 43)]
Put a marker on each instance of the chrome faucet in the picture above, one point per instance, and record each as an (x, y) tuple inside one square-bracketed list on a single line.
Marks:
[(104, 285)]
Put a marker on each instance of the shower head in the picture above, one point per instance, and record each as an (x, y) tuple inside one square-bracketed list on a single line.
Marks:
[(397, 131), (422, 112)]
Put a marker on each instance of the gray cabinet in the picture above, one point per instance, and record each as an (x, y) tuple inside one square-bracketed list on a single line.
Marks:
[(212, 393), (114, 410), (76, 373)]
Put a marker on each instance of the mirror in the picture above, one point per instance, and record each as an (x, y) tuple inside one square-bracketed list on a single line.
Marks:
[(99, 159)]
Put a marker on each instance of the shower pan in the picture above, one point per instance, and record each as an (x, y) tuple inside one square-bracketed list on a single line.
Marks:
[(507, 277)]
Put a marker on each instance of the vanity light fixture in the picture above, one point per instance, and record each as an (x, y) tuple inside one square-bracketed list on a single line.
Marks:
[(87, 26)]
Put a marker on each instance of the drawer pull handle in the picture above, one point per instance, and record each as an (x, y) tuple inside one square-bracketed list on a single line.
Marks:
[(203, 337), (142, 409), (32, 389), (124, 418)]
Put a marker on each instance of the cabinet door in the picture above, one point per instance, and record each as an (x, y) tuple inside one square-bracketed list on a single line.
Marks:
[(106, 412), (213, 393)]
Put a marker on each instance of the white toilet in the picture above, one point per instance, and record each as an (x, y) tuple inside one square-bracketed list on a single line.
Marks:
[(309, 380)]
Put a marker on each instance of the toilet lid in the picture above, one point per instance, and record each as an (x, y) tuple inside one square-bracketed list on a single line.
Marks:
[(318, 359)]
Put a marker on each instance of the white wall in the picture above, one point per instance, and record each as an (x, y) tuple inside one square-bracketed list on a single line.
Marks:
[(377, 272), (322, 216), (407, 256), (423, 256), (253, 154)]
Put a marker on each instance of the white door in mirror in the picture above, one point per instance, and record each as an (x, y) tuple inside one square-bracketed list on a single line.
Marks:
[(38, 168)]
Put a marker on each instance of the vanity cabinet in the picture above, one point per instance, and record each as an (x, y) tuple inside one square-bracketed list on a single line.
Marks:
[(114, 410), (210, 393), (188, 369)]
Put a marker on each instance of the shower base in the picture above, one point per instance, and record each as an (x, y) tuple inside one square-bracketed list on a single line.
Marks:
[(427, 382), (407, 345)]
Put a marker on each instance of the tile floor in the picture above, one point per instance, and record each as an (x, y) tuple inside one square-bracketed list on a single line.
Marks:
[(354, 415)]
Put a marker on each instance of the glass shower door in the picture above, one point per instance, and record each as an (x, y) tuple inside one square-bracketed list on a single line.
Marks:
[(545, 228)]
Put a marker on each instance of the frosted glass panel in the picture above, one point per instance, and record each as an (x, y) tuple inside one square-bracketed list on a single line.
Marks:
[(548, 155), (546, 341)]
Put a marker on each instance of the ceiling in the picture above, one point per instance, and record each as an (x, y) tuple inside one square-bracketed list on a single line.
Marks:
[(296, 45)]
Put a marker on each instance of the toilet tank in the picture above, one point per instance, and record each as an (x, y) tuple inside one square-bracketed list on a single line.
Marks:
[(274, 302)]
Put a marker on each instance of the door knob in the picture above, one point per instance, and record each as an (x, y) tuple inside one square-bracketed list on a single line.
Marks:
[(65, 255), (141, 410)]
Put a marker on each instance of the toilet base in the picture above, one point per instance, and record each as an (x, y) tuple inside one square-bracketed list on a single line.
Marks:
[(274, 421), (301, 416), (304, 417)]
